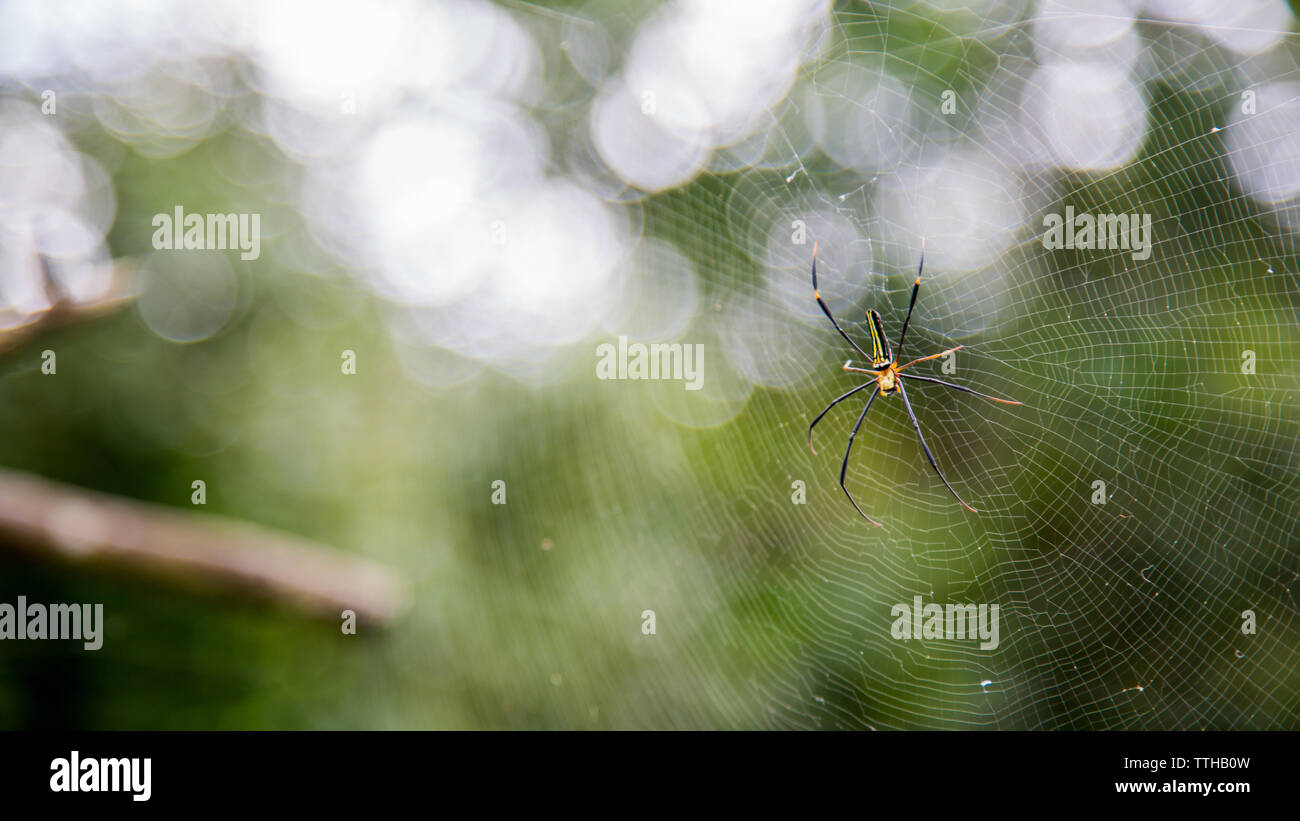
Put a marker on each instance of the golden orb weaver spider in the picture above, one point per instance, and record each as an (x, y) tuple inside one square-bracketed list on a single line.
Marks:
[(888, 379)]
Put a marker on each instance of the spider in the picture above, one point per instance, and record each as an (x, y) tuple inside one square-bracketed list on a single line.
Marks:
[(887, 377)]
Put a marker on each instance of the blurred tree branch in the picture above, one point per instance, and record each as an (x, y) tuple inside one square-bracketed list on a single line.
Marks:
[(53, 519), (47, 518)]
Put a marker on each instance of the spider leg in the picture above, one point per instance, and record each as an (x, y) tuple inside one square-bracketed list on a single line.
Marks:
[(961, 388), (845, 467), (917, 425), (817, 295), (847, 367), (916, 286), (931, 356), (828, 410)]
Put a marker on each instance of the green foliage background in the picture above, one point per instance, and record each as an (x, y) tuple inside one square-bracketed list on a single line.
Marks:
[(694, 523)]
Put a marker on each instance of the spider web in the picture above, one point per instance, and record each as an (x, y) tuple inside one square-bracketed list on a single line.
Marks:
[(1122, 614), (881, 127)]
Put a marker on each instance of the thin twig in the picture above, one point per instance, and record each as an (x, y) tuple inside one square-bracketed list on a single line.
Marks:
[(64, 310)]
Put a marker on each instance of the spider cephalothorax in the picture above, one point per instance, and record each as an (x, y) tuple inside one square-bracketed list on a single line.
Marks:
[(887, 377)]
